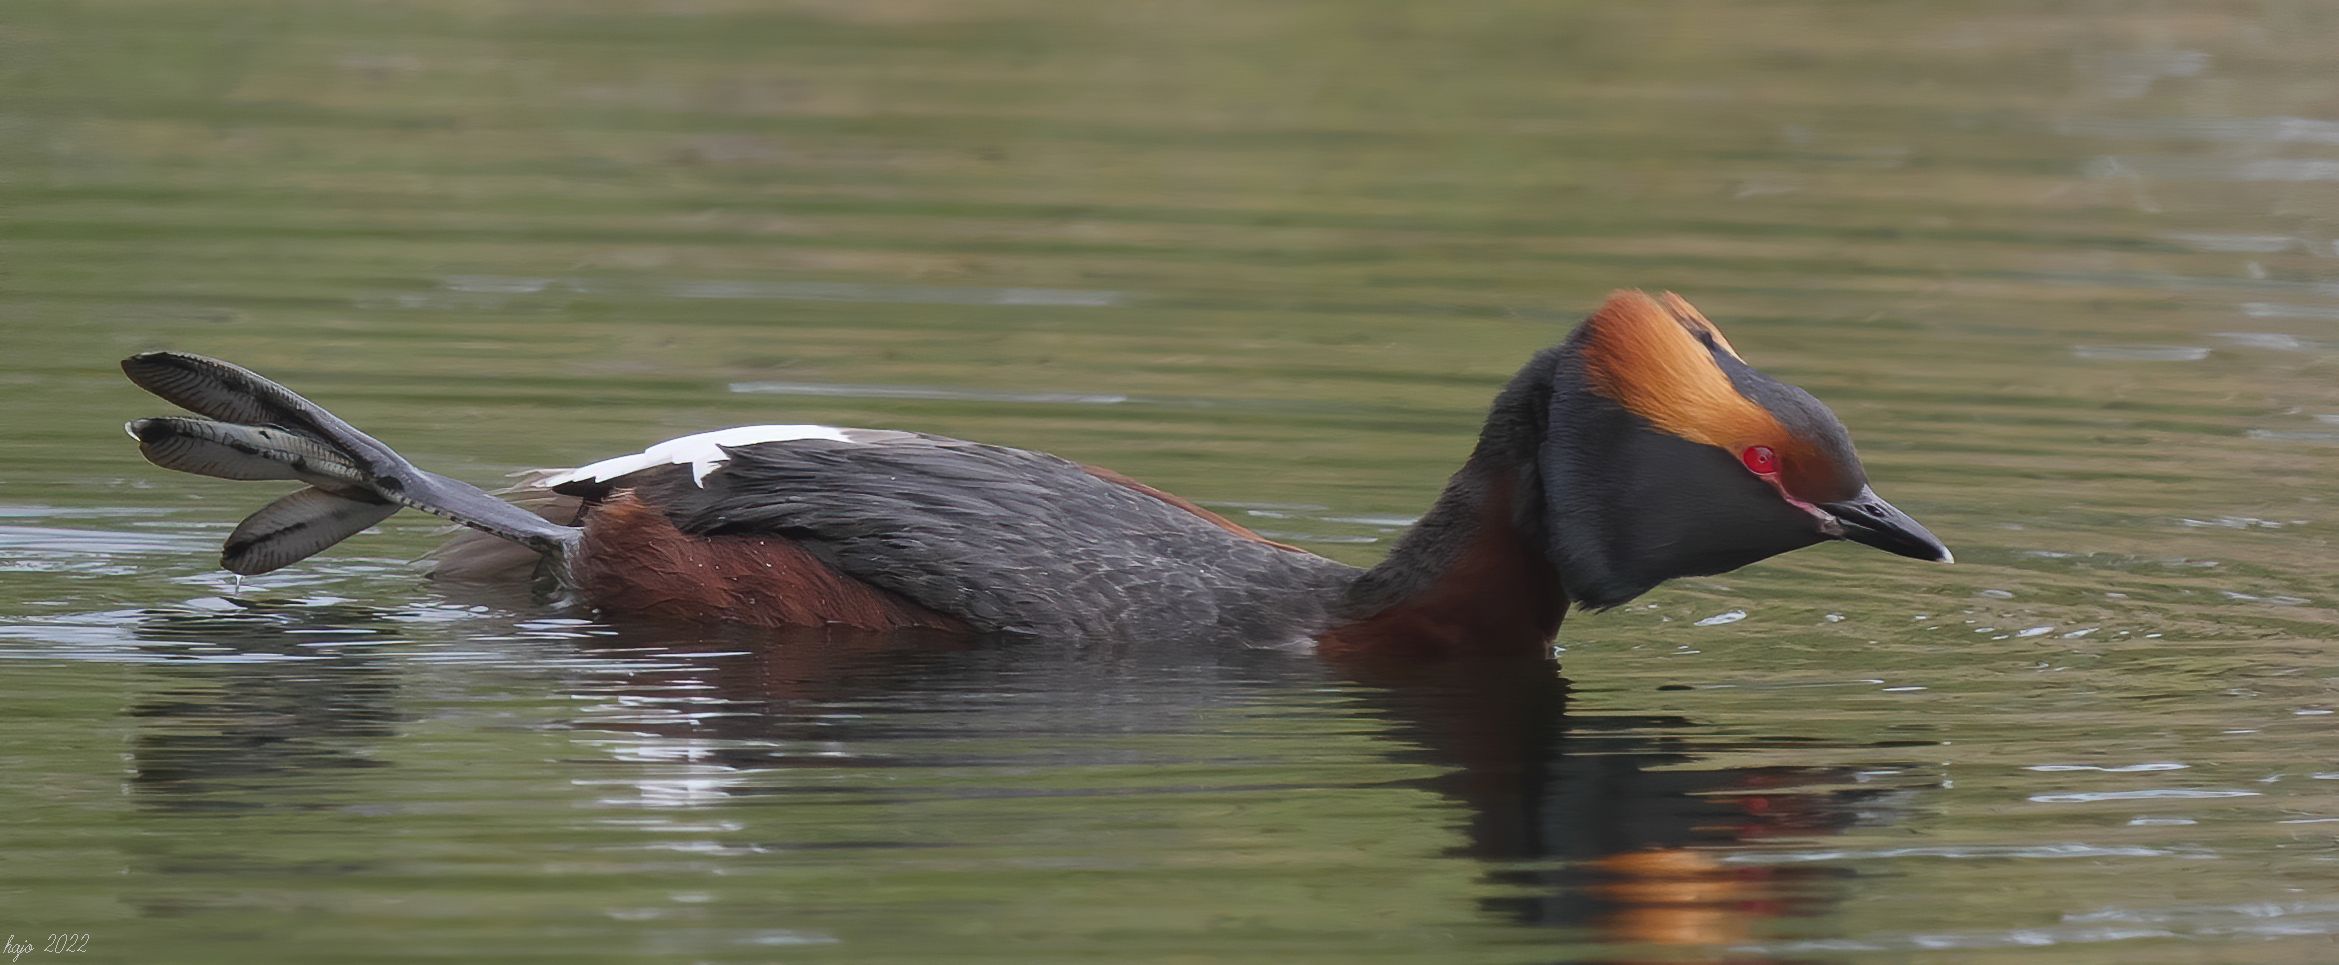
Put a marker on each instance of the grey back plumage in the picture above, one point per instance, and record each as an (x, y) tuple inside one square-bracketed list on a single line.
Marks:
[(1008, 539)]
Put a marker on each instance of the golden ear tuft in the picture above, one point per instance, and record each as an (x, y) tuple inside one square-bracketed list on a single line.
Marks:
[(1694, 320), (1650, 355)]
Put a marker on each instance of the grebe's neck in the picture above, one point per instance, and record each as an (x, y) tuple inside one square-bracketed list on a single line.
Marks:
[(1474, 575)]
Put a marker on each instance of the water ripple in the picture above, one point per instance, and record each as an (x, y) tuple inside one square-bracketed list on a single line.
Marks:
[(2084, 797)]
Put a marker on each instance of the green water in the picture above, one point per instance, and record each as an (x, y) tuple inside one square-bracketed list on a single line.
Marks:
[(2069, 270)]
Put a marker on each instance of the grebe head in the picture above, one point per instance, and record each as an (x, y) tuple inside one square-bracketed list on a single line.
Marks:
[(1665, 454)]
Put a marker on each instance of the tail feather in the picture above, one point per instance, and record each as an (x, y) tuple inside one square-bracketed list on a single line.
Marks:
[(297, 527), (259, 430)]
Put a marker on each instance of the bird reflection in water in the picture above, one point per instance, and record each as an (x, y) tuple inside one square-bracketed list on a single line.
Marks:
[(1602, 823), (1605, 821), (1598, 823), (244, 716)]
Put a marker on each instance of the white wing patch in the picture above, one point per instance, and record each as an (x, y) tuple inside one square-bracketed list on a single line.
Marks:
[(703, 452)]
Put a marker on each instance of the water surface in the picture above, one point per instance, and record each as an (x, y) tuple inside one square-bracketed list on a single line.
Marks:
[(2066, 269)]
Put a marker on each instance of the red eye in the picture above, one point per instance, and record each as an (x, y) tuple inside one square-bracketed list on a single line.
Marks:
[(1760, 460)]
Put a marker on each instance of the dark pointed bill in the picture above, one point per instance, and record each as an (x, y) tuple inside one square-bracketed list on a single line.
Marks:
[(1866, 518)]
